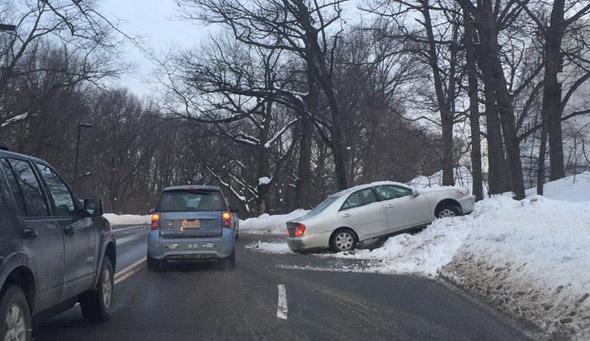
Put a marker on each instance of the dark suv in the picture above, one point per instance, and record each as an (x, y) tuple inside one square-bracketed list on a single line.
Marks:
[(54, 250)]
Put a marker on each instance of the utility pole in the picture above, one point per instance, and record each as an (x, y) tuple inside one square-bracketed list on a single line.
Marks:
[(80, 126)]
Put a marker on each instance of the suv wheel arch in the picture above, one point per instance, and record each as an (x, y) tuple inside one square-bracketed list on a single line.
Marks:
[(22, 277)]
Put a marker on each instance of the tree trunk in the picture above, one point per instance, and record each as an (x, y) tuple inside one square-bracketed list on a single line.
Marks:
[(498, 172), (264, 161), (476, 169), (302, 190), (552, 89), (541, 159), (444, 103), (494, 78)]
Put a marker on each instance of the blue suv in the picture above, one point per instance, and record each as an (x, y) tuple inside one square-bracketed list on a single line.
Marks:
[(55, 250), (192, 223)]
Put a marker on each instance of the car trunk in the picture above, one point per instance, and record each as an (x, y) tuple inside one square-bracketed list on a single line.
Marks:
[(191, 224)]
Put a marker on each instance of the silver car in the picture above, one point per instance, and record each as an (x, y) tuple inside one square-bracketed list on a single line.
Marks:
[(370, 211)]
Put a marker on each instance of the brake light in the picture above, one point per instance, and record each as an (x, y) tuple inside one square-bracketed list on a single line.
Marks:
[(226, 217), (155, 221), (299, 230)]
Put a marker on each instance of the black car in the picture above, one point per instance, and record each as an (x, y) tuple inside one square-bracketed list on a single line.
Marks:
[(55, 250)]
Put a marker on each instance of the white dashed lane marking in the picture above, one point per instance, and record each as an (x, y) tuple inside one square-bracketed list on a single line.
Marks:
[(282, 309)]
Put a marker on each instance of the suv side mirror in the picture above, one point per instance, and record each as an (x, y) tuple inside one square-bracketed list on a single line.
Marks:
[(415, 193), (93, 207), (234, 209)]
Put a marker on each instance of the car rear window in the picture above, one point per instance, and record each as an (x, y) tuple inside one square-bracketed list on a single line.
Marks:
[(189, 200)]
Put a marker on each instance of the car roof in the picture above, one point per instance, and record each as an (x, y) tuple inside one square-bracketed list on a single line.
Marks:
[(193, 187), (23, 156), (364, 186)]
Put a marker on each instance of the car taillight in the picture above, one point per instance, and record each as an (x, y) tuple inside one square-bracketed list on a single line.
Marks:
[(299, 230), (155, 221), (226, 217)]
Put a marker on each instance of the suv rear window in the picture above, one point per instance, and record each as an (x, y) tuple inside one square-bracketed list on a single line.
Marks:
[(191, 200)]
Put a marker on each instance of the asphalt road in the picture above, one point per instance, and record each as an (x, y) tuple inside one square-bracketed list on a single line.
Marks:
[(205, 302)]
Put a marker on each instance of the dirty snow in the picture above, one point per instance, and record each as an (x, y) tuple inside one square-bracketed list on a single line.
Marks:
[(530, 258), (269, 224), (127, 219)]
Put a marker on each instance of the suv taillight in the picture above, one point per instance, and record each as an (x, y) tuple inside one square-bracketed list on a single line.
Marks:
[(226, 217), (155, 221)]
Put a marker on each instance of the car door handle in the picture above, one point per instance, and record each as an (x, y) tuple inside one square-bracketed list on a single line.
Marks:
[(346, 215), (69, 230), (30, 234)]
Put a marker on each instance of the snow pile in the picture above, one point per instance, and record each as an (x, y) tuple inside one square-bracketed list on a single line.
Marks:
[(463, 179), (574, 188), (278, 248), (531, 258), (269, 224), (127, 219), (422, 254)]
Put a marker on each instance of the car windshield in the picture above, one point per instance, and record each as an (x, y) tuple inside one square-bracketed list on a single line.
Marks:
[(191, 200), (319, 208)]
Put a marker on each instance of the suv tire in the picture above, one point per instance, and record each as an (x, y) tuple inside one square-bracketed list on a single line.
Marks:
[(96, 303), (15, 315)]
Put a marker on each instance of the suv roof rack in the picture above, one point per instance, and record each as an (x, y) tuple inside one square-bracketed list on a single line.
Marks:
[(4, 146)]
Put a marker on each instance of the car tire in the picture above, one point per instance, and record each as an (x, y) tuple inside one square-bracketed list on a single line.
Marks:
[(15, 315), (230, 261), (96, 303), (343, 240), (154, 265), (445, 211)]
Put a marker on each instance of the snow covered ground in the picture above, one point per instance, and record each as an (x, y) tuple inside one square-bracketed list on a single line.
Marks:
[(530, 258), (127, 219), (269, 224)]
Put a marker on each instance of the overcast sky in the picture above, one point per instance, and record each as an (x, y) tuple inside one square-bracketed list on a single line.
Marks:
[(156, 22)]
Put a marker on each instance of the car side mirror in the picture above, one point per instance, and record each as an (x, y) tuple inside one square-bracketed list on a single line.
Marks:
[(415, 193), (151, 210), (93, 207), (234, 209)]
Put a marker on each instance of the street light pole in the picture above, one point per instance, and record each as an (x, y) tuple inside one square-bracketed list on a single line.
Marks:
[(80, 126)]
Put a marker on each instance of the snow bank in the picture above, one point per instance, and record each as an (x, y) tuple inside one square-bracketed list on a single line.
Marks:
[(531, 258), (573, 188), (269, 224), (421, 254), (462, 176), (127, 219)]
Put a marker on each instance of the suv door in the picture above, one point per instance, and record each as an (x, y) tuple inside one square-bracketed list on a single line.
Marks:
[(362, 211), (42, 236), (79, 234), (403, 209)]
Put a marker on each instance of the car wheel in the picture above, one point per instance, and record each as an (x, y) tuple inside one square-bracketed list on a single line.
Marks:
[(15, 314), (154, 265), (230, 261), (343, 240), (96, 303), (446, 211)]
